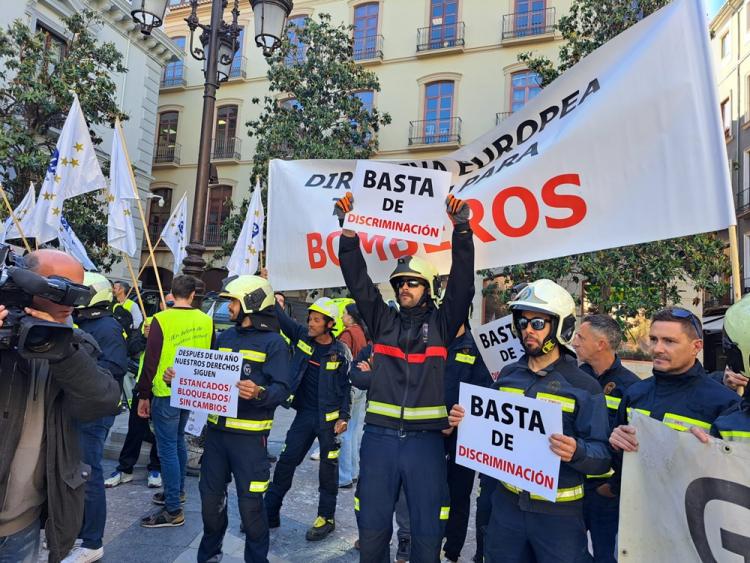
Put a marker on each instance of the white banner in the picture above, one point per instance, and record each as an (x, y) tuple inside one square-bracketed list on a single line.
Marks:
[(205, 381), (506, 436), (682, 500), (399, 202), (497, 344), (626, 147)]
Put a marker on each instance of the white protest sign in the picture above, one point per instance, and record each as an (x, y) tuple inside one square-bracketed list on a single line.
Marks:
[(196, 422), (605, 156), (399, 201), (506, 436), (497, 344), (205, 381), (682, 500)]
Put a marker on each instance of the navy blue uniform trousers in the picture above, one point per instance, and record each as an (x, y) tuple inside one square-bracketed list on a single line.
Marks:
[(301, 435), (244, 457), (389, 460)]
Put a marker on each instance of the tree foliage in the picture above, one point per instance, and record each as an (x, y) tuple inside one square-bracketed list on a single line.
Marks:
[(628, 280), (311, 110), (35, 95)]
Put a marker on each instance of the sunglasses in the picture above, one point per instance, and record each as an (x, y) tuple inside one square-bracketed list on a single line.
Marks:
[(680, 313), (411, 283), (536, 323)]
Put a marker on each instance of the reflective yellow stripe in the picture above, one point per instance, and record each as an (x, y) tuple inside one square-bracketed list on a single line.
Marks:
[(356, 503), (333, 454), (511, 390), (410, 413), (563, 495), (642, 411), (735, 435), (683, 423), (259, 486), (568, 404), (249, 425), (213, 418), (602, 476), (445, 512), (612, 402), (332, 365), (466, 358), (332, 416), (225, 349), (253, 355), (305, 347)]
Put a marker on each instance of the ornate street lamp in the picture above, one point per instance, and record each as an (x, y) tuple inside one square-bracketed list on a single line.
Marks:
[(270, 21), (148, 13)]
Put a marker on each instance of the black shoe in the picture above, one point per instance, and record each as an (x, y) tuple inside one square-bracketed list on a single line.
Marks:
[(321, 528), (403, 551), (347, 486), (158, 498), (163, 519)]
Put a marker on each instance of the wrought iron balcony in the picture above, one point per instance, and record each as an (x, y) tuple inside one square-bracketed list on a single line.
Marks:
[(167, 153), (213, 236), (435, 131), (176, 80), (443, 36), (238, 68), (742, 201), (501, 115), (226, 148), (368, 48), (528, 24)]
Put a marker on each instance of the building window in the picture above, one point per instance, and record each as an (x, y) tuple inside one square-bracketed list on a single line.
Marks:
[(217, 212), (166, 141), (238, 66), (225, 137), (438, 111), (366, 97), (529, 17), (726, 48), (159, 211), (174, 70), (291, 104), (366, 31), (55, 47), (726, 117), (524, 87), (443, 23), (297, 48)]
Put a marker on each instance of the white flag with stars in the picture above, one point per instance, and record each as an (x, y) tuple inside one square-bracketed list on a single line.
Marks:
[(246, 253), (174, 235)]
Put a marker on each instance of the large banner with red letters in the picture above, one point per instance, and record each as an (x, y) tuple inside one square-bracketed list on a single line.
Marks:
[(626, 147)]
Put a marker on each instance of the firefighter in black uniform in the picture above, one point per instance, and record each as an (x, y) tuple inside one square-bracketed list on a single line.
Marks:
[(402, 443), (322, 395), (237, 446)]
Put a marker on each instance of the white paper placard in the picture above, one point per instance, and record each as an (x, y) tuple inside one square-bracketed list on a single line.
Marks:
[(205, 381)]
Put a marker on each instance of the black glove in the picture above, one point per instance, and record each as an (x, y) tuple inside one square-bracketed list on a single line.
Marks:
[(457, 210), (343, 206)]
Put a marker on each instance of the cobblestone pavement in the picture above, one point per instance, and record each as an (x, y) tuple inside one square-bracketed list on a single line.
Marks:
[(126, 541)]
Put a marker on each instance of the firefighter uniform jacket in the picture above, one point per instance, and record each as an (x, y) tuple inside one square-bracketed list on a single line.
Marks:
[(584, 413), (407, 392), (334, 389), (464, 365), (265, 361), (734, 424), (679, 401)]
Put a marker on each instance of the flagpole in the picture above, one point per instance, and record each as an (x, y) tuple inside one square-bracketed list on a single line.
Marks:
[(15, 219), (135, 284), (118, 131), (143, 268)]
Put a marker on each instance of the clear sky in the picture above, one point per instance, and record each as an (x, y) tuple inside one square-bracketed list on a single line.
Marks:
[(713, 6)]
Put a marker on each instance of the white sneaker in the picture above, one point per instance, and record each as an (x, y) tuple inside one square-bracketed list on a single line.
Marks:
[(154, 480), (80, 554), (118, 478), (315, 456)]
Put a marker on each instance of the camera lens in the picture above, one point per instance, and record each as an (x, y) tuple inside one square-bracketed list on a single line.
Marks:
[(40, 339)]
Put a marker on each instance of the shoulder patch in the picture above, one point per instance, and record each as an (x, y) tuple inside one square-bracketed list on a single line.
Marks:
[(609, 387)]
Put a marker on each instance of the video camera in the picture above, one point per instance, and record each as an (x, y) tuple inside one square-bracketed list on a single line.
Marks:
[(34, 338)]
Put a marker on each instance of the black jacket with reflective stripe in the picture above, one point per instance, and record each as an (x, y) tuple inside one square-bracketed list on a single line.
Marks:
[(334, 389), (266, 363), (407, 391), (584, 418), (734, 424), (464, 365)]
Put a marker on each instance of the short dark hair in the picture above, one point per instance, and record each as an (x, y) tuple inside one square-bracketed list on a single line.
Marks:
[(691, 325), (605, 326), (183, 285), (125, 285)]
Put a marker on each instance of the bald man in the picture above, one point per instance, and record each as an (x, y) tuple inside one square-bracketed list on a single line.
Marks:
[(40, 463)]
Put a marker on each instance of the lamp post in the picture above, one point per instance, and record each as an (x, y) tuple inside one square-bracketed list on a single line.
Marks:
[(219, 43)]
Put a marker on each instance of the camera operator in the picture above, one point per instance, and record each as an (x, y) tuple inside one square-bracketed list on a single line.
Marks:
[(41, 473)]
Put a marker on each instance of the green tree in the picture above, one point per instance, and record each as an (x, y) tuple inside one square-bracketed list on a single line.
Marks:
[(36, 85), (628, 280), (312, 110)]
